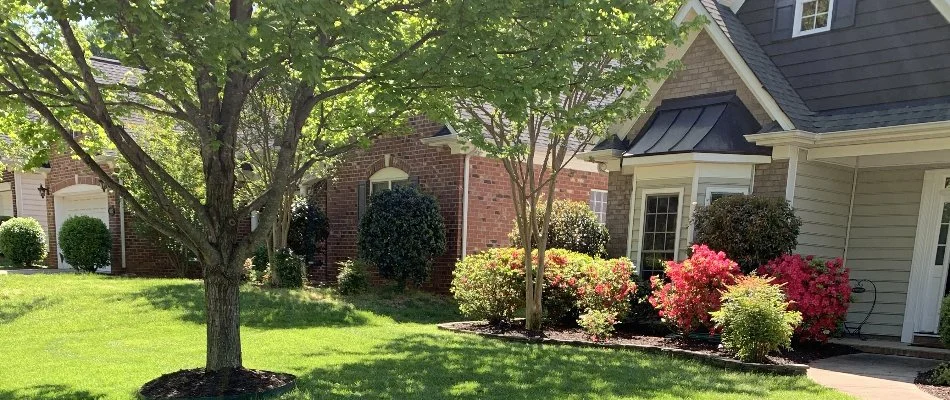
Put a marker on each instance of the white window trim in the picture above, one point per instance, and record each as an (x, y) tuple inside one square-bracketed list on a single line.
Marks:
[(643, 211), (388, 175), (605, 202), (719, 189), (796, 29)]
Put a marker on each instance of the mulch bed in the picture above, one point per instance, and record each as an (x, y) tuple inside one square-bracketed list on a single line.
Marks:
[(198, 383), (800, 354), (925, 383)]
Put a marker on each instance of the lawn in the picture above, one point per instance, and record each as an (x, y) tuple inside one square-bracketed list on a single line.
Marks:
[(90, 337)]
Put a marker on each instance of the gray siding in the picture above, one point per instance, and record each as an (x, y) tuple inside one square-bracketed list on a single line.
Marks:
[(707, 182), (897, 50), (884, 224), (672, 183), (822, 201)]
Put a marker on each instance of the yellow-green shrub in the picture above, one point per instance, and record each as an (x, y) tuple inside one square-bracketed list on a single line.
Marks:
[(754, 319)]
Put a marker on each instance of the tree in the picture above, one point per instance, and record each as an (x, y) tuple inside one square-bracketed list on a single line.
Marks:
[(196, 64), (579, 67)]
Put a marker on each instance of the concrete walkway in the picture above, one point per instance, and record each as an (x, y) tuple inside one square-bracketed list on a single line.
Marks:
[(35, 271), (872, 376)]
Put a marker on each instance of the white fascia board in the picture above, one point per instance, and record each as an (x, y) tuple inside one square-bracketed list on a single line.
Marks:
[(697, 158), (944, 7), (452, 141), (886, 135), (600, 155)]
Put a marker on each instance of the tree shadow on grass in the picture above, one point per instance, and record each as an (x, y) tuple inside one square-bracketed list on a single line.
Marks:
[(49, 392), (11, 310), (437, 366), (260, 308), (415, 306)]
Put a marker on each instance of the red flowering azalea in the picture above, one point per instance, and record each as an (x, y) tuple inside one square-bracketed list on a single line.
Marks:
[(819, 289), (693, 288)]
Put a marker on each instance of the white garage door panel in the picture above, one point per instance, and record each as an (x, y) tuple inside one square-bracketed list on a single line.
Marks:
[(93, 205)]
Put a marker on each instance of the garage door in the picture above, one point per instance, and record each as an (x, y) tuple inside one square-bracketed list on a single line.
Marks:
[(91, 204)]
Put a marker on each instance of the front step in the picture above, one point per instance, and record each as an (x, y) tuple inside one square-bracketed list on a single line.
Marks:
[(895, 348), (926, 340)]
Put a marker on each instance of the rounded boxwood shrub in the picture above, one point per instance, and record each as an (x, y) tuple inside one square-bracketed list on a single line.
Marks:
[(352, 278), (751, 230), (259, 259), (287, 269), (574, 227), (85, 242), (400, 233), (23, 241), (308, 228), (754, 318), (819, 289)]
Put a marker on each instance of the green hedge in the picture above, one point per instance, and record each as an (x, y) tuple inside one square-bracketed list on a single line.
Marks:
[(574, 227)]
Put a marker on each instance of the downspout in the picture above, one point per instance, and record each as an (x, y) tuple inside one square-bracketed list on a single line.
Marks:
[(465, 180), (847, 235), (122, 231)]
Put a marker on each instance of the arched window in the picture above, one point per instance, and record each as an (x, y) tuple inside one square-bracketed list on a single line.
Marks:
[(387, 178)]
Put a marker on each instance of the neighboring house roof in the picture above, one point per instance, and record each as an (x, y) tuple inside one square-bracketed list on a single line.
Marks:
[(795, 108), (712, 123)]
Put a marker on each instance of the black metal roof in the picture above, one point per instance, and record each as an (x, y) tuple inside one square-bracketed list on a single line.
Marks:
[(712, 123)]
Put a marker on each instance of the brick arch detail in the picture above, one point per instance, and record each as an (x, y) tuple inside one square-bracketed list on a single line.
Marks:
[(394, 161), (67, 182)]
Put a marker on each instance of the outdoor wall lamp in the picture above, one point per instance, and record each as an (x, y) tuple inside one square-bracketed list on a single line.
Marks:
[(102, 184), (44, 191)]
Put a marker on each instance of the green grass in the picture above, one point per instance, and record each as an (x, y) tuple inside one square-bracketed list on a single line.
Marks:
[(90, 337)]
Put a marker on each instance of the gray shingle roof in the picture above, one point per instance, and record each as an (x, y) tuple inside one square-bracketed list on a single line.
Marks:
[(775, 83)]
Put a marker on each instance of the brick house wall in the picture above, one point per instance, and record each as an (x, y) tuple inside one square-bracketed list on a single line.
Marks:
[(439, 173), (619, 192), (705, 70), (771, 179), (491, 214)]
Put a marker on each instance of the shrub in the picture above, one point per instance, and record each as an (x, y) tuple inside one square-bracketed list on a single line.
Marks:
[(819, 289), (490, 285), (751, 230), (574, 227), (23, 241), (944, 329), (308, 228), (352, 278), (693, 289), (259, 260), (85, 242), (599, 324), (286, 269), (562, 275), (606, 285), (940, 375), (754, 318), (400, 233)]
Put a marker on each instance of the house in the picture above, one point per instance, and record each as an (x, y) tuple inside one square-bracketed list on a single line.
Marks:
[(472, 191), (841, 107), (66, 187)]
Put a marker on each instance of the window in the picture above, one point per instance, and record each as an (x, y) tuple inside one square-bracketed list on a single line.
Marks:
[(812, 16), (660, 227), (387, 178), (598, 203), (716, 193)]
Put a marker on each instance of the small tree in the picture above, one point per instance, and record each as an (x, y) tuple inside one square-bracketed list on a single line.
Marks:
[(86, 242), (400, 233), (574, 227), (751, 230), (308, 228), (579, 68)]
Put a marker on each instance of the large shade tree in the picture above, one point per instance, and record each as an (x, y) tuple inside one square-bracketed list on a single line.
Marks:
[(576, 68), (196, 64)]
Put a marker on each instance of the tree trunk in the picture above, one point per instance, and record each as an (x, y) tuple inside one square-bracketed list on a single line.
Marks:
[(532, 305), (223, 320)]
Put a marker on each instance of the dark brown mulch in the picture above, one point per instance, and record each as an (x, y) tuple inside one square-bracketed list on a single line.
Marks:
[(799, 354), (197, 383), (924, 381)]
